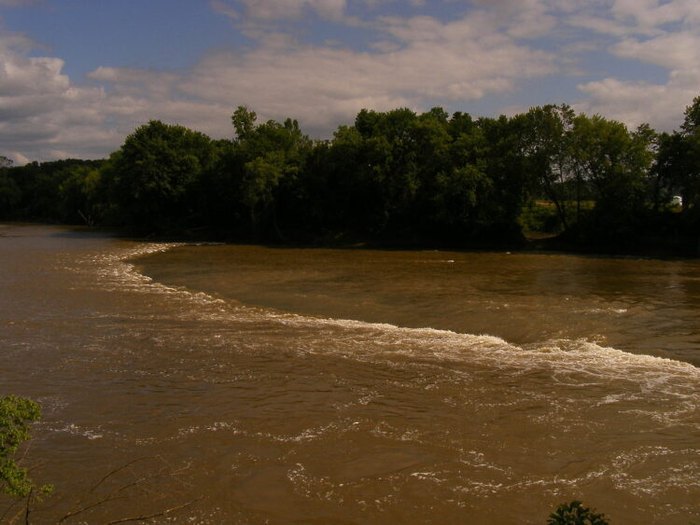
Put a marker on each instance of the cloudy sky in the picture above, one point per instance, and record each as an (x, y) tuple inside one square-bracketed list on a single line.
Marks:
[(76, 76)]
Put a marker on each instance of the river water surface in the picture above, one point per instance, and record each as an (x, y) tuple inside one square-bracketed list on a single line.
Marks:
[(243, 384)]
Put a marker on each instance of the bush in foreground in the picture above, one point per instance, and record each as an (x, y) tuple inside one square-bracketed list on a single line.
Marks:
[(16, 414), (575, 513)]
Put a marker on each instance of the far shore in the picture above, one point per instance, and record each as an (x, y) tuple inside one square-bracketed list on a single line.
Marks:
[(536, 242)]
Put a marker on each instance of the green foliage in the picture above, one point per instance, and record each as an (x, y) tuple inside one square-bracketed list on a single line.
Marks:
[(616, 164), (504, 165), (48, 192), (79, 194), (691, 121), (243, 121), (575, 513), (396, 176), (155, 174), (690, 181), (16, 414), (10, 196), (540, 216), (547, 146), (268, 158)]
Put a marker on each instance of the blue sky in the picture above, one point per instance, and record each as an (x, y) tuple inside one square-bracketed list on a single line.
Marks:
[(76, 76)]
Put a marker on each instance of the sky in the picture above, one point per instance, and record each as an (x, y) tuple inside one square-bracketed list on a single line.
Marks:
[(77, 76)]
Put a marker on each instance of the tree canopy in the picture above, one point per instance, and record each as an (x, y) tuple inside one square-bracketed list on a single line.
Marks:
[(393, 176), (155, 173)]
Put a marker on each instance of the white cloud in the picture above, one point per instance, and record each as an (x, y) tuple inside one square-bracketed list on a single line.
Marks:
[(457, 61), (650, 14), (662, 33), (42, 115), (603, 25), (414, 62), (31, 76), (678, 50), (279, 9), (635, 103), (635, 17)]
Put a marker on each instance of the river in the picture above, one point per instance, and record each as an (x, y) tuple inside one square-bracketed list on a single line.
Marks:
[(251, 385)]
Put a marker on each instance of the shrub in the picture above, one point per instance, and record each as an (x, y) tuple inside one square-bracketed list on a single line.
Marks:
[(16, 413), (575, 513)]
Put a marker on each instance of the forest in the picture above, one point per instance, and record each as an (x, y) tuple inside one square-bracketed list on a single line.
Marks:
[(550, 177)]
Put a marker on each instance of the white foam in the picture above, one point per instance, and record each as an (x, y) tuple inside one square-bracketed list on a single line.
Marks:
[(564, 356), (77, 430), (580, 362), (116, 272), (673, 469)]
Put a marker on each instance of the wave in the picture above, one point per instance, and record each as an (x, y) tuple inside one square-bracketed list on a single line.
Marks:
[(563, 356), (579, 362), (627, 423)]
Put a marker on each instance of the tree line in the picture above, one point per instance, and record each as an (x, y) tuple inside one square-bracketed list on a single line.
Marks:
[(391, 177)]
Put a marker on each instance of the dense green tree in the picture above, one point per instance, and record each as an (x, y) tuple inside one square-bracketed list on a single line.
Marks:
[(458, 198), (391, 176), (547, 147), (344, 194), (460, 184), (37, 189), (691, 120), (80, 196), (433, 165), (10, 194), (671, 168), (268, 159), (506, 169), (154, 177), (32, 191), (677, 166), (616, 165), (690, 175), (219, 192), (389, 140), (402, 162), (575, 157), (243, 120)]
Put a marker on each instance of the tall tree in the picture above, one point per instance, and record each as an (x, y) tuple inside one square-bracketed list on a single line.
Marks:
[(547, 147), (506, 169), (79, 195), (155, 174), (616, 164), (10, 193), (270, 157), (690, 179)]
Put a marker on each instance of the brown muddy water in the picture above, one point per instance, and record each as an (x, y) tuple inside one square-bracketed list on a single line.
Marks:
[(241, 384)]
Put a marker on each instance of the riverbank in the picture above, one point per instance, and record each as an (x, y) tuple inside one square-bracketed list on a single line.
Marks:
[(531, 242), (652, 247)]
